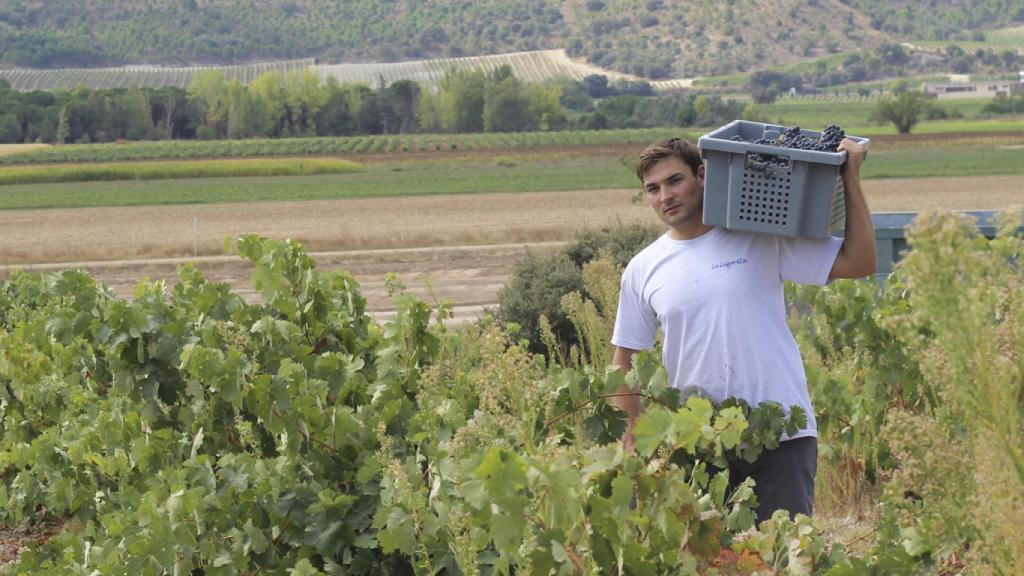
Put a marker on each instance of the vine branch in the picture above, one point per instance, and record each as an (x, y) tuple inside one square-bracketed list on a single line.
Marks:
[(590, 401)]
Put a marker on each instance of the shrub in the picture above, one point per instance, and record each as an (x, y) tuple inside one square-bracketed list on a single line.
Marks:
[(539, 281), (536, 287)]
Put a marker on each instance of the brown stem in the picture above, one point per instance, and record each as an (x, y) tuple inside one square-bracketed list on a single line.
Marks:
[(569, 550), (590, 401), (308, 437), (232, 440), (859, 538), (287, 523)]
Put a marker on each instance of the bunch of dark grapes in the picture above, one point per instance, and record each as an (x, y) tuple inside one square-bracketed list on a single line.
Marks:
[(830, 139), (793, 138)]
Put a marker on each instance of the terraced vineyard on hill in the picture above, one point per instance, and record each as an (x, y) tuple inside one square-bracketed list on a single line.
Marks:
[(27, 79), (535, 65)]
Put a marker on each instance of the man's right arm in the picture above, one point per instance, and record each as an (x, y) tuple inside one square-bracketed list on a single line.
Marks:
[(627, 401)]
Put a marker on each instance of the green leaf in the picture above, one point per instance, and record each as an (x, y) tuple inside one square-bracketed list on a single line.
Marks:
[(397, 533), (613, 380), (652, 428)]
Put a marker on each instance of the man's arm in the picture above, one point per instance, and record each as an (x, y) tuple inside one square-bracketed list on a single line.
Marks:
[(856, 258), (631, 405)]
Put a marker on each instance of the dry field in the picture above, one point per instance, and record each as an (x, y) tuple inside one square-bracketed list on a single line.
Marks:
[(459, 247), (6, 149)]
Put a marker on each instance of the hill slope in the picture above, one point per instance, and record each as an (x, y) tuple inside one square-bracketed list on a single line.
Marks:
[(651, 38)]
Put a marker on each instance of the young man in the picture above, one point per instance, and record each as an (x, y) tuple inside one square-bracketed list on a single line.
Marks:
[(717, 296)]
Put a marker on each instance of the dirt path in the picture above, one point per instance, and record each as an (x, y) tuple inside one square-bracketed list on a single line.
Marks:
[(472, 240)]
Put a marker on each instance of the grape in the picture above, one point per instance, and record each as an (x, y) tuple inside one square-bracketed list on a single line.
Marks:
[(794, 138)]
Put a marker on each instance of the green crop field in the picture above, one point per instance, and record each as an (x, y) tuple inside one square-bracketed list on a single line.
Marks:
[(498, 174), (921, 163), (169, 150), (854, 114), (163, 170), (509, 171)]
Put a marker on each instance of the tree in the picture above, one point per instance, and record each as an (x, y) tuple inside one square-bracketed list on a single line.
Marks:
[(597, 86), (10, 130), (210, 91), (304, 98), (902, 111), (403, 98), (545, 109), (335, 118), (269, 104), (765, 86), (138, 114), (461, 101), (64, 126), (505, 107)]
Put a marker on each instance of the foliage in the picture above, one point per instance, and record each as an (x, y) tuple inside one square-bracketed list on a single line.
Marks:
[(538, 284), (298, 105), (534, 290), (1004, 105), (903, 111), (188, 431), (405, 147), (917, 387), (958, 19)]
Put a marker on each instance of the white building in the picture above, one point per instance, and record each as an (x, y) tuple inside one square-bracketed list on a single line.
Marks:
[(989, 89)]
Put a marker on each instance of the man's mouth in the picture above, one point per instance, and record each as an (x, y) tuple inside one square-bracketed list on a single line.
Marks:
[(671, 209)]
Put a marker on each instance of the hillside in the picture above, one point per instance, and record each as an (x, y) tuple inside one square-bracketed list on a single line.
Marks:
[(650, 38), (531, 66)]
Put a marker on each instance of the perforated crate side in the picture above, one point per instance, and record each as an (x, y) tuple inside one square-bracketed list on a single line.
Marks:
[(804, 198)]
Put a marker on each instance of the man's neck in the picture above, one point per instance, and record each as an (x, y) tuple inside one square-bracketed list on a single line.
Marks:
[(689, 232)]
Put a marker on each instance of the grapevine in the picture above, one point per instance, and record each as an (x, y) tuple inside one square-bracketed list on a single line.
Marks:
[(187, 430)]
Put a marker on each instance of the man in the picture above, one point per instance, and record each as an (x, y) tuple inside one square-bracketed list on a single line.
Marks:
[(717, 296)]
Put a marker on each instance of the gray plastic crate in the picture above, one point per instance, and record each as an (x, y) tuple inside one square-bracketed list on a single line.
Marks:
[(802, 198)]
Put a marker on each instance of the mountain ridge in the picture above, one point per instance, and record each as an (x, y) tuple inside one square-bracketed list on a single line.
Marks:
[(647, 38)]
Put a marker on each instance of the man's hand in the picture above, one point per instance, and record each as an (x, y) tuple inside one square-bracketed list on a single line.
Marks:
[(625, 400), (855, 153), (629, 441)]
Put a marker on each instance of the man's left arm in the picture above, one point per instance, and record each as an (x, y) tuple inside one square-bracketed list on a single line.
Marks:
[(856, 258)]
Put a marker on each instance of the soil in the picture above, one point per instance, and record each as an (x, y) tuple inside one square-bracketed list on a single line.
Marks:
[(14, 540)]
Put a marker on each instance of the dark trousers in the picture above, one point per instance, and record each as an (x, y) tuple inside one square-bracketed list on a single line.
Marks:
[(784, 478)]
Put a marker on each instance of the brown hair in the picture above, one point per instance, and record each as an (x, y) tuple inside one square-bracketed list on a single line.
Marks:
[(685, 151)]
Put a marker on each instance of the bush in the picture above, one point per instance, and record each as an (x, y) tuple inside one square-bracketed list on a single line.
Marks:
[(539, 281), (619, 243), (536, 287)]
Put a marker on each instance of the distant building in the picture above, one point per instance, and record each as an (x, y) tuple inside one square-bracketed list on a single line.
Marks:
[(974, 89)]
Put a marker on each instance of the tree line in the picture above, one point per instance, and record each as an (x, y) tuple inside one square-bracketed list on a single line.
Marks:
[(302, 104)]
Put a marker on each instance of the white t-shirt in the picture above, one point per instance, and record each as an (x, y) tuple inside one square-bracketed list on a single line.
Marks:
[(718, 299)]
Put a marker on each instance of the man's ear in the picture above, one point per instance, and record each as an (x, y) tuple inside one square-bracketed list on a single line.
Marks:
[(700, 171)]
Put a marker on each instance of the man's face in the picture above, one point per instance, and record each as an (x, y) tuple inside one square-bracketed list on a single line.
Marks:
[(677, 196)]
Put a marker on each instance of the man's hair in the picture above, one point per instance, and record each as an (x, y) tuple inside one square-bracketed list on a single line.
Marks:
[(688, 153)]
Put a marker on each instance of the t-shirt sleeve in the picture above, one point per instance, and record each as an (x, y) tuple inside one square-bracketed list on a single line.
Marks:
[(807, 260), (636, 324)]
